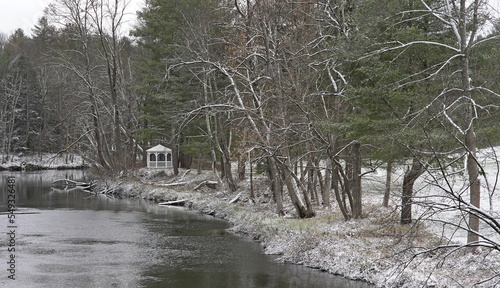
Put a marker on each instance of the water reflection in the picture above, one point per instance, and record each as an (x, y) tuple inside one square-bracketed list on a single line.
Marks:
[(67, 239)]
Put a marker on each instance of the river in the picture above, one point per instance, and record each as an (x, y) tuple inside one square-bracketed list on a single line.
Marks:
[(61, 238)]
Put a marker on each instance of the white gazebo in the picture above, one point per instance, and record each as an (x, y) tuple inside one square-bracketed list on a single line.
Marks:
[(159, 157)]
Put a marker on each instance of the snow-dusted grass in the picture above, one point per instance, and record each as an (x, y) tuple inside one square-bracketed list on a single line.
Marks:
[(447, 267), (375, 248), (41, 161)]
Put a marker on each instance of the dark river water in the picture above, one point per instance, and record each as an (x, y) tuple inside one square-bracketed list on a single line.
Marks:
[(70, 239)]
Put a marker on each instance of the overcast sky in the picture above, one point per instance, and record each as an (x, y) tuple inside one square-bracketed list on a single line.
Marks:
[(20, 14), (25, 14)]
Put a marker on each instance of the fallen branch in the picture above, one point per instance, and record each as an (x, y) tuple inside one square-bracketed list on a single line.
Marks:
[(110, 190), (208, 183), (174, 203), (66, 184), (171, 184), (165, 184), (235, 199), (185, 173)]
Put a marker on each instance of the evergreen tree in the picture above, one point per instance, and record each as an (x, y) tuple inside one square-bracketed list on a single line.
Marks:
[(168, 96), (420, 87)]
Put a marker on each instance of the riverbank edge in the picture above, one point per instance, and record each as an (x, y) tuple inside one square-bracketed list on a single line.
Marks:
[(375, 249), (242, 219)]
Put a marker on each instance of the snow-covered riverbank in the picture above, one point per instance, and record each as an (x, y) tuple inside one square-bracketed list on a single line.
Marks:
[(42, 161), (375, 249)]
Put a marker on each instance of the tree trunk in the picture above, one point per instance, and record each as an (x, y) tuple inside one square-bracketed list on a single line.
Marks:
[(387, 192), (185, 161), (475, 186), (97, 135), (10, 132), (408, 181), (470, 135), (223, 142), (228, 174), (276, 185), (337, 189), (198, 163), (292, 191), (328, 184), (293, 186), (320, 180), (242, 158), (175, 159), (340, 181), (357, 205), (252, 194), (310, 180)]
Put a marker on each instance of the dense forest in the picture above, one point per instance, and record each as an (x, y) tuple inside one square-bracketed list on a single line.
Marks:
[(314, 94)]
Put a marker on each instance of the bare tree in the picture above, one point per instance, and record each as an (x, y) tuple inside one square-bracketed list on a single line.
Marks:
[(21, 107), (12, 87), (92, 29)]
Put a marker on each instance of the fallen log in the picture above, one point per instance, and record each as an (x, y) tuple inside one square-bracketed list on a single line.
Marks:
[(174, 203), (208, 183), (165, 184), (171, 184), (70, 184)]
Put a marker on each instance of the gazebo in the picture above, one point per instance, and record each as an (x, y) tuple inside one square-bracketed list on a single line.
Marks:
[(159, 157)]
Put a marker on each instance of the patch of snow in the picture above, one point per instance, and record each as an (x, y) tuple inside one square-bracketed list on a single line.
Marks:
[(43, 161)]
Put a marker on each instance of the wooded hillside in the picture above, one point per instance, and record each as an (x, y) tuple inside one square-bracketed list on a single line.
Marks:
[(314, 94)]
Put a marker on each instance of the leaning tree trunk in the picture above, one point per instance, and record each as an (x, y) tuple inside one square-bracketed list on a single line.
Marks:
[(409, 179), (292, 191), (290, 182), (336, 183), (340, 181), (223, 141)]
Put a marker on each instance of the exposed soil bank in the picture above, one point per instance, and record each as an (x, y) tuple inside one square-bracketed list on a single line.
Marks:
[(375, 249)]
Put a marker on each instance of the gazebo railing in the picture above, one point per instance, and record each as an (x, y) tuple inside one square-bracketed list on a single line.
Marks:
[(160, 164)]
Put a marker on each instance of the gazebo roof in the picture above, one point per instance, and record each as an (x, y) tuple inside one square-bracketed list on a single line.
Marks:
[(159, 148)]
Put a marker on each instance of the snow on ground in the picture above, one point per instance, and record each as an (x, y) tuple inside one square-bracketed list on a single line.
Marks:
[(448, 267), (42, 161), (376, 248)]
